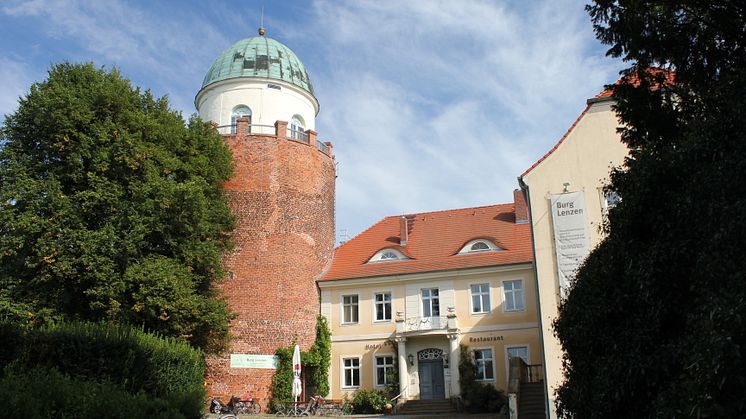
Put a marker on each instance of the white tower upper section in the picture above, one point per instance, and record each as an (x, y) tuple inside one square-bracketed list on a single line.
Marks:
[(261, 78)]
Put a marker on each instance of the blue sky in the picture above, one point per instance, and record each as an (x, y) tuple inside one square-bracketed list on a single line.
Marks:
[(430, 104)]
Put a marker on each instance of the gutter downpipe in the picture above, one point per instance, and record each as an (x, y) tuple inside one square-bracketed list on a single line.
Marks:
[(525, 189)]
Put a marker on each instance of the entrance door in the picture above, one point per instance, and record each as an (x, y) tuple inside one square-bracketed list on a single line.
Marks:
[(432, 382)]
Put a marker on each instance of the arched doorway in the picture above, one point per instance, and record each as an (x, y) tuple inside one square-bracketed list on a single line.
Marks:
[(430, 369)]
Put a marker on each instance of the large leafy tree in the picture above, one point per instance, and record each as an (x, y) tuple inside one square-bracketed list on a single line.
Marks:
[(655, 325), (111, 208)]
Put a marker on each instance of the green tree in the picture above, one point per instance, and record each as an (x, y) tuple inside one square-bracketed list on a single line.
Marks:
[(654, 324), (111, 208)]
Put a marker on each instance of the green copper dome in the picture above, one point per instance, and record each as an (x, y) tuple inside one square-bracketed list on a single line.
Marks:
[(259, 57)]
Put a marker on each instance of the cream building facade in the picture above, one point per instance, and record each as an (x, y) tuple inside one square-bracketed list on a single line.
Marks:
[(406, 293), (575, 171)]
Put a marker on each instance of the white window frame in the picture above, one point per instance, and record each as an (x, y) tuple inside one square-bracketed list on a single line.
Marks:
[(385, 367), (507, 359), (505, 296), (297, 127), (430, 298), (379, 256), (489, 297), (235, 115), (466, 249), (343, 311), (494, 367), (375, 307), (343, 370)]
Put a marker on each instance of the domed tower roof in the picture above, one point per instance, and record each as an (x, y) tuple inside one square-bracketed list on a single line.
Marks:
[(259, 57)]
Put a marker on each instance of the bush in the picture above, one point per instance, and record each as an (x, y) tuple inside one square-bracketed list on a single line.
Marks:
[(47, 393), (120, 354), (368, 401), (124, 357), (478, 397)]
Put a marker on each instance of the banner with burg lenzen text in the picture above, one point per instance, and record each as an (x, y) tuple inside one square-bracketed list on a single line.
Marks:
[(570, 235)]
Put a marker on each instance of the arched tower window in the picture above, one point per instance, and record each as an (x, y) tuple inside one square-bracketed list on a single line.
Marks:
[(238, 112), (298, 128)]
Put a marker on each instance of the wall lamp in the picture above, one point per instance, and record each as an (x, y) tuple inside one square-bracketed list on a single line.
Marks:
[(410, 357)]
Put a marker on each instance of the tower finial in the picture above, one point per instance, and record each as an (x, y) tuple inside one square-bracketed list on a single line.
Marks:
[(261, 24)]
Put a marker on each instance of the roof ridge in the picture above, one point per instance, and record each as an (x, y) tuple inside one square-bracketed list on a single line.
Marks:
[(449, 210)]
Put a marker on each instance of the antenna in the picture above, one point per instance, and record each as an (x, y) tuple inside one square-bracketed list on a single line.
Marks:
[(261, 23)]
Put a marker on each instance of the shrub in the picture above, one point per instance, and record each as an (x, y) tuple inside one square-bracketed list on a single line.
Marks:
[(368, 401), (47, 393), (122, 356), (478, 397)]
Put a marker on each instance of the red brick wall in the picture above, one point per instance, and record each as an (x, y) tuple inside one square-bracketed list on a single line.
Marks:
[(282, 195)]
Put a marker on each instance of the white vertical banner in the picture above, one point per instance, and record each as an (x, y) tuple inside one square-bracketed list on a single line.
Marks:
[(570, 235)]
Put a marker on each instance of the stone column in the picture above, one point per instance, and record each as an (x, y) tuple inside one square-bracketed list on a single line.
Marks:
[(403, 368), (455, 357)]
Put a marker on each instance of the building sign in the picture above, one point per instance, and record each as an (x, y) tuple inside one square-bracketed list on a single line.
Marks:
[(486, 339), (570, 235), (253, 361), (378, 345)]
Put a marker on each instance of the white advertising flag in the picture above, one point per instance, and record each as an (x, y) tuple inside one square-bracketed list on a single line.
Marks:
[(570, 235)]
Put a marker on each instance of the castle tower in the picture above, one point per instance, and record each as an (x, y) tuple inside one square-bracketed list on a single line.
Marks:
[(258, 94)]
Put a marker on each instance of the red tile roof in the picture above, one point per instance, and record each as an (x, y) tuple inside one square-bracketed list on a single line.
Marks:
[(434, 241)]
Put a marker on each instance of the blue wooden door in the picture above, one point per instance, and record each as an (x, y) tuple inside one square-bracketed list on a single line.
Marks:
[(432, 381)]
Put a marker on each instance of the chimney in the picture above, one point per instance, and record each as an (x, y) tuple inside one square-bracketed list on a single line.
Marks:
[(403, 231), (521, 209)]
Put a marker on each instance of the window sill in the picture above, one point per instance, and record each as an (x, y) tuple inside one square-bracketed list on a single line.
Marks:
[(480, 313), (382, 321), (350, 387), (523, 310), (349, 324)]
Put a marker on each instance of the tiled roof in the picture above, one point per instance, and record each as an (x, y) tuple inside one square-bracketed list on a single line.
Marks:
[(434, 240)]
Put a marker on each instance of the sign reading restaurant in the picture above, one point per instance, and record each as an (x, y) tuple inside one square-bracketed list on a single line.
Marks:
[(570, 235)]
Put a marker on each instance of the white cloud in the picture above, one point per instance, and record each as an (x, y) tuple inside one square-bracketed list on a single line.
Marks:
[(15, 83), (441, 104), (430, 104)]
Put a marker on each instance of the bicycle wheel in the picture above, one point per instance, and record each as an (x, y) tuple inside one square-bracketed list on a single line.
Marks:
[(255, 408), (228, 416)]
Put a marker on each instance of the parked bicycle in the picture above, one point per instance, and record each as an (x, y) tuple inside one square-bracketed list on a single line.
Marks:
[(246, 405), (299, 409)]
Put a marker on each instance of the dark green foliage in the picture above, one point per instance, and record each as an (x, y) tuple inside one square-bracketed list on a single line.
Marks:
[(111, 208), (46, 393), (368, 401), (654, 325), (127, 358), (315, 364), (319, 358), (151, 373), (282, 381), (477, 397)]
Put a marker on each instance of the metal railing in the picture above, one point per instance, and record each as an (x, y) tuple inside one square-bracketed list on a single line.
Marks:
[(252, 129), (425, 323), (298, 135), (322, 147)]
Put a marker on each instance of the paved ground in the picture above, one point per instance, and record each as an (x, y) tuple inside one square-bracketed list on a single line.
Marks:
[(459, 416)]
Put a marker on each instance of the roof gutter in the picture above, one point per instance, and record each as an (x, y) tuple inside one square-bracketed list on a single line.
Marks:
[(525, 188)]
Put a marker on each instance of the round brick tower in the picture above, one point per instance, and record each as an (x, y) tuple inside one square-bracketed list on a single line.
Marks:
[(282, 194)]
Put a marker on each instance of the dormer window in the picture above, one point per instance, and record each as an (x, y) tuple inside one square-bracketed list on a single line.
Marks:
[(478, 246), (387, 255)]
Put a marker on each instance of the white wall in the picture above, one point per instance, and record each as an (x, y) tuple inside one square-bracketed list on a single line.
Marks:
[(216, 102)]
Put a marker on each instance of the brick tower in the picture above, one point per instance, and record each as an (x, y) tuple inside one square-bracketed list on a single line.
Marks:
[(259, 95)]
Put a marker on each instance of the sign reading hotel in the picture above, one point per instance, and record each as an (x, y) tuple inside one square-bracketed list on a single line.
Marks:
[(570, 235), (253, 361)]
